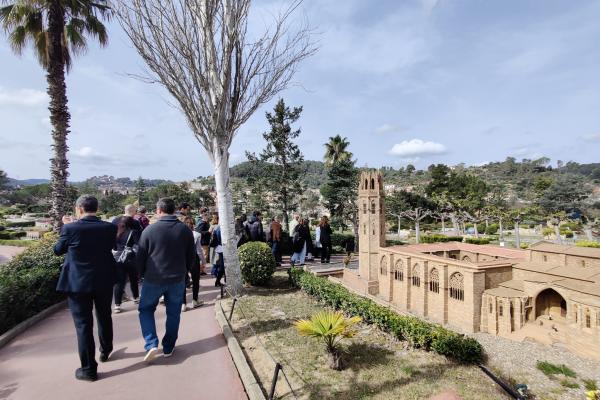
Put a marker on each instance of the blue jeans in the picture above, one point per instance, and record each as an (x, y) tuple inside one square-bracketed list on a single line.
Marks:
[(299, 257), (148, 301)]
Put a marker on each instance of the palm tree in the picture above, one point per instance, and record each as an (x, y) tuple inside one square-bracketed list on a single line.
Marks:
[(336, 151), (57, 29)]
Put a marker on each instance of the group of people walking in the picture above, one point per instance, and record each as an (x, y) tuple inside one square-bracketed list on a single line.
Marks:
[(164, 256)]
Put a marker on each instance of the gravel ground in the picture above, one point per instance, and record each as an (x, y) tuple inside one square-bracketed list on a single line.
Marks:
[(517, 361)]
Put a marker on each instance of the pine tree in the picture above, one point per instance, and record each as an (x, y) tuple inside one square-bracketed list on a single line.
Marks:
[(140, 190), (281, 161), (341, 192)]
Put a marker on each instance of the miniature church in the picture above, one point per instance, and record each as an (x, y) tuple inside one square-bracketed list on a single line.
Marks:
[(550, 293)]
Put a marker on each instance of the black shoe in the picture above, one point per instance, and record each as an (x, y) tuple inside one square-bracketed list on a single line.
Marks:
[(104, 357), (84, 376), (218, 284)]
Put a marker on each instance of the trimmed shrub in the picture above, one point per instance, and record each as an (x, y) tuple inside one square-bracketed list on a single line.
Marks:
[(394, 242), (257, 263), (588, 243), (418, 333), (28, 283), (440, 238), (477, 240), (338, 239), (547, 231), (21, 224), (491, 229), (12, 235)]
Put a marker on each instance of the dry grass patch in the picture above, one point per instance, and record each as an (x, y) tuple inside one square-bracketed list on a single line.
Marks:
[(378, 365)]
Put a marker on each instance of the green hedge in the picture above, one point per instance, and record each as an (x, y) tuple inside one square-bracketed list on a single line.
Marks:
[(22, 224), (418, 333), (477, 240), (11, 235), (257, 263), (588, 243), (440, 238), (338, 239), (28, 283)]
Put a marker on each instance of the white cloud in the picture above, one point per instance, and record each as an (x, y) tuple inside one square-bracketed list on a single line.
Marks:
[(417, 148), (592, 137), (389, 128), (22, 97)]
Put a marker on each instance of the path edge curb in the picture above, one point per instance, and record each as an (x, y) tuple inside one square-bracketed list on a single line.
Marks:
[(15, 331), (249, 381)]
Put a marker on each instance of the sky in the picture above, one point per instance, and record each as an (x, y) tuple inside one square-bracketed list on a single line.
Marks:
[(421, 82)]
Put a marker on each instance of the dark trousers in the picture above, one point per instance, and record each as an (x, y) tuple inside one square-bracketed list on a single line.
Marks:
[(125, 271), (325, 252), (276, 250), (81, 305), (220, 268), (195, 281)]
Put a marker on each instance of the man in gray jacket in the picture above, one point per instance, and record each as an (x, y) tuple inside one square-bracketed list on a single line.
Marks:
[(166, 252)]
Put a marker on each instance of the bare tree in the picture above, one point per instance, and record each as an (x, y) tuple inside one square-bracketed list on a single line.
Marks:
[(200, 51), (416, 215)]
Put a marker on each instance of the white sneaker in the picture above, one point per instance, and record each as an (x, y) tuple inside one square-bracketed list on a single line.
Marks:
[(167, 355), (117, 309), (136, 300), (150, 354), (183, 308), (197, 303)]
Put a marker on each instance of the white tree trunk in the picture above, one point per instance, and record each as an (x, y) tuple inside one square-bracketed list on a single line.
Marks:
[(443, 225), (476, 231), (517, 236), (557, 233), (588, 232), (454, 223), (501, 229), (399, 219), (417, 231), (227, 219)]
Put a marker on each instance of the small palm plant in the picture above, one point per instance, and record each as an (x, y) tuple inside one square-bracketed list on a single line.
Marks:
[(331, 327)]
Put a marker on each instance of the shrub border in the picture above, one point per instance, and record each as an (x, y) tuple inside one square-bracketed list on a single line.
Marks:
[(419, 333), (15, 331)]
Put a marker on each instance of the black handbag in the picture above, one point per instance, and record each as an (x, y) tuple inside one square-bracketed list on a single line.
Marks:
[(127, 254)]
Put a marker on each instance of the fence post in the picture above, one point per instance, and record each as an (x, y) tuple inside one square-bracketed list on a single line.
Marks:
[(232, 307), (274, 381)]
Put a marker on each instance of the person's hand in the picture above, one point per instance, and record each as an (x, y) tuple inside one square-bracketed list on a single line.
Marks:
[(67, 219)]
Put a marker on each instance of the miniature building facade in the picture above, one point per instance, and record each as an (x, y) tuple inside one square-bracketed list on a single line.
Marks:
[(550, 290)]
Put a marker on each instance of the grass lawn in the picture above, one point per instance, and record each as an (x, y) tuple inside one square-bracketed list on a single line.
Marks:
[(378, 365)]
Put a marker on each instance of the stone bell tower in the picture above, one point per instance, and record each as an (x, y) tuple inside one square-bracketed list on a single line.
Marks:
[(371, 224)]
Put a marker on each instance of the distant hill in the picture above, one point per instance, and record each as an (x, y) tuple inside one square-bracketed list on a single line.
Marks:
[(314, 174), (26, 182)]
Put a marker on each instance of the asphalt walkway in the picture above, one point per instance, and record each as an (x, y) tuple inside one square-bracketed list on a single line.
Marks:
[(41, 363)]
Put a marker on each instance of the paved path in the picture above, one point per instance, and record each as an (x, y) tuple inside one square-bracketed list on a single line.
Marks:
[(8, 252), (40, 364)]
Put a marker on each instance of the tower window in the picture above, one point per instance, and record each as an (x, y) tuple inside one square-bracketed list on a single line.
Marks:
[(372, 184), (500, 309), (383, 266), (398, 272), (588, 318), (373, 207), (364, 208), (491, 305)]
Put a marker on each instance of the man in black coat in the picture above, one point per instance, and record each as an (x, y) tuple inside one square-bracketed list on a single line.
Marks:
[(166, 252), (87, 277)]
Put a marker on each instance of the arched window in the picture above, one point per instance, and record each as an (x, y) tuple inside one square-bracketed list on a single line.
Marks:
[(365, 229), (372, 184), (576, 312), (373, 207), (434, 281), (588, 318), (366, 184), (398, 271), (500, 309), (416, 276), (466, 259), (457, 289), (383, 265), (491, 305)]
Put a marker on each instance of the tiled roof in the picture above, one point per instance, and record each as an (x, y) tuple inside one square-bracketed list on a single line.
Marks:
[(490, 250), (549, 247), (591, 274)]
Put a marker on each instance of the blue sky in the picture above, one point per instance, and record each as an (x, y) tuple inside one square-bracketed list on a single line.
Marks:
[(416, 82)]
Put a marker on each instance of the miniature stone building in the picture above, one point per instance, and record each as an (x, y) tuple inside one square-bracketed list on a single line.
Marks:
[(548, 290)]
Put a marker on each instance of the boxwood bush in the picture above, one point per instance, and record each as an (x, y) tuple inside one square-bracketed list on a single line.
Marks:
[(477, 240), (256, 262), (28, 283), (420, 334), (12, 235), (439, 238), (20, 224)]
